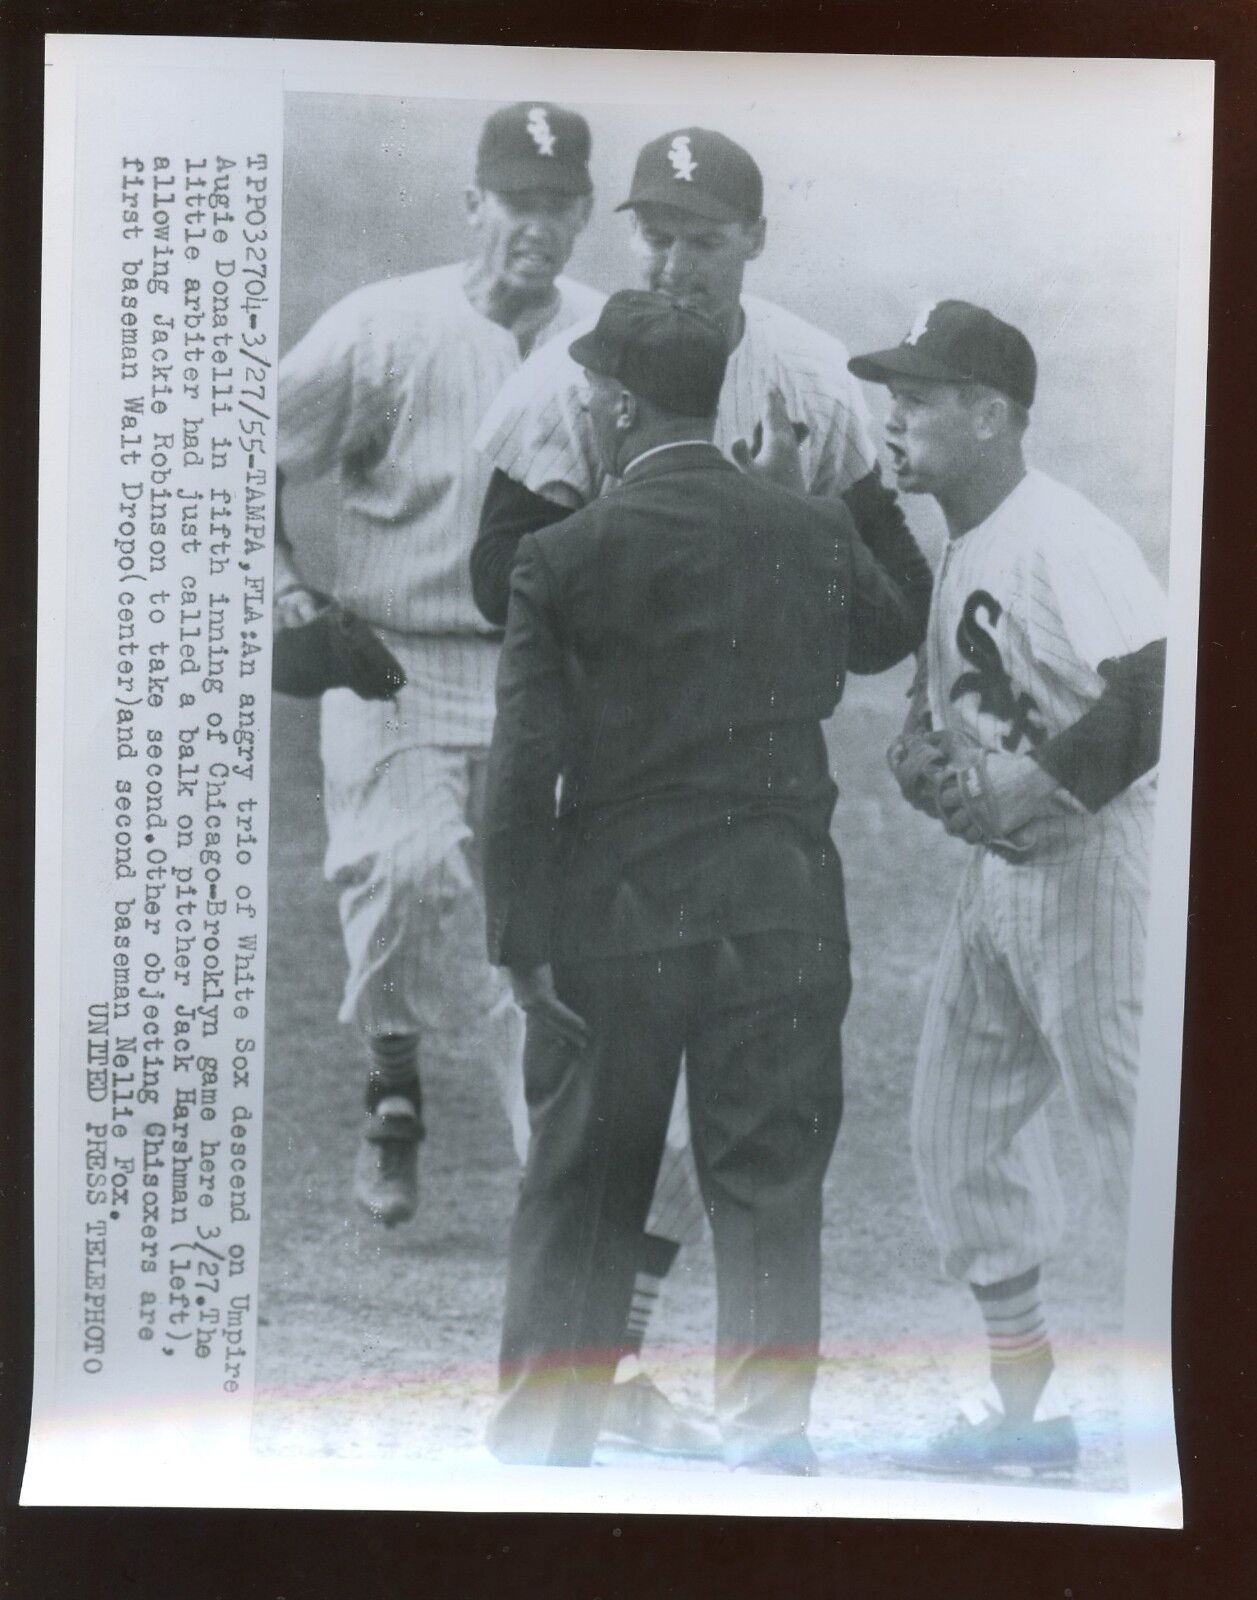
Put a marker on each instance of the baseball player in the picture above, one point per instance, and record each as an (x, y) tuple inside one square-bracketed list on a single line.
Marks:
[(385, 393), (696, 207), (1037, 740)]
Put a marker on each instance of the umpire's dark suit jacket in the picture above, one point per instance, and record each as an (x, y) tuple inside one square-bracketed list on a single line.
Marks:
[(671, 651)]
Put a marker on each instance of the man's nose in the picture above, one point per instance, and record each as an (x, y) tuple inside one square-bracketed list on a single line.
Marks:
[(678, 263)]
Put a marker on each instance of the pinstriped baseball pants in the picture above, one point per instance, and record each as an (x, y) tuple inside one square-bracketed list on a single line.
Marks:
[(402, 822), (1039, 988)]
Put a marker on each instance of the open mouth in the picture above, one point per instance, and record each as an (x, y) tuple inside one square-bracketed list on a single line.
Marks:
[(898, 456)]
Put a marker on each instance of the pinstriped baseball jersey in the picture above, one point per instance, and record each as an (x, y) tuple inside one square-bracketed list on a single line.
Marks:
[(537, 430), (1026, 607), (387, 390)]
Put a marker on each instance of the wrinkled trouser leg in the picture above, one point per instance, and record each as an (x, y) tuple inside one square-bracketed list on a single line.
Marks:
[(765, 1079), (598, 1120), (764, 1060)]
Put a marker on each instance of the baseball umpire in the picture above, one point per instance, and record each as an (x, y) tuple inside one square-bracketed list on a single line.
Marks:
[(671, 651), (1036, 743), (385, 391)]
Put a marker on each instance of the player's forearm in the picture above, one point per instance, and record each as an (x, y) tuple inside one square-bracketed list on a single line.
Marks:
[(509, 512), (891, 581), (881, 524), (1115, 743)]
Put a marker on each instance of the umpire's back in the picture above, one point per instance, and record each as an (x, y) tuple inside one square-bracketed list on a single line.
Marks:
[(699, 611)]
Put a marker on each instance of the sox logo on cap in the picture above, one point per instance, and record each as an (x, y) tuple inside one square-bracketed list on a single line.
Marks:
[(918, 328), (681, 158), (539, 128)]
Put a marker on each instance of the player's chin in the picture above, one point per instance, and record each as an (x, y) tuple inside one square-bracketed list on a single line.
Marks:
[(533, 272), (906, 478)]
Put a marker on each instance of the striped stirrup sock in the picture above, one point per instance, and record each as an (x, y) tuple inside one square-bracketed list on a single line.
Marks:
[(1021, 1353), (655, 1257), (394, 1069)]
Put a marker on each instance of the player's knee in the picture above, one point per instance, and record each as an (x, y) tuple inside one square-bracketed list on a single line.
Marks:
[(419, 870)]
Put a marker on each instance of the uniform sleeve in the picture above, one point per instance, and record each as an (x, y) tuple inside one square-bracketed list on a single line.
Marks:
[(1119, 739), (525, 759), (509, 512), (335, 393), (537, 429), (1092, 600)]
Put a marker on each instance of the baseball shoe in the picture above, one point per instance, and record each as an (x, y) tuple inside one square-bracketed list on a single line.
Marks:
[(386, 1175), (984, 1442), (794, 1458), (639, 1413)]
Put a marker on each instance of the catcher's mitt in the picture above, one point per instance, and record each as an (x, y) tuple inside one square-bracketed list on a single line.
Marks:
[(335, 650)]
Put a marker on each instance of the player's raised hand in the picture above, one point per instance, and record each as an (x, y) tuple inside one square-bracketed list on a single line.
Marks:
[(773, 452), (535, 996), (294, 607)]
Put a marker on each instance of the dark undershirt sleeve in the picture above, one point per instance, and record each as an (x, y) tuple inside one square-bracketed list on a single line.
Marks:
[(509, 512), (882, 635), (1119, 739)]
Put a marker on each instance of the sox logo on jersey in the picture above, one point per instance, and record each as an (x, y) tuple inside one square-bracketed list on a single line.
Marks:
[(989, 679)]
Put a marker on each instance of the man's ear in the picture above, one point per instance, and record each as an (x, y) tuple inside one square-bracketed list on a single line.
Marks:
[(756, 233), (626, 409), (473, 201), (994, 413)]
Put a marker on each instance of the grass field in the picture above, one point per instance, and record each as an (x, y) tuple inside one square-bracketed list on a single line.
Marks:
[(382, 1344)]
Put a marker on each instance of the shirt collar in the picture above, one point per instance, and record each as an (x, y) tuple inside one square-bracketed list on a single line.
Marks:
[(674, 444)]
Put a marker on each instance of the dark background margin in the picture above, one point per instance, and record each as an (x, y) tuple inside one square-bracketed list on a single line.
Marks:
[(184, 1555)]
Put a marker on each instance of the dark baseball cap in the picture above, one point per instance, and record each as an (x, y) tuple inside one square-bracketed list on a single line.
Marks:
[(668, 354), (955, 342), (701, 172), (534, 145)]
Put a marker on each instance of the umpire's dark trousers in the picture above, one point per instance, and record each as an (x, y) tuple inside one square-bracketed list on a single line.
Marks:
[(758, 1021)]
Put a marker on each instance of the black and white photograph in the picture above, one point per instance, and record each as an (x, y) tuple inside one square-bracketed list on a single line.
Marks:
[(713, 563)]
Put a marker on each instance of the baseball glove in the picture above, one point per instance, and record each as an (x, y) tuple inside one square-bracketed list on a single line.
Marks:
[(920, 758), (986, 800), (336, 650)]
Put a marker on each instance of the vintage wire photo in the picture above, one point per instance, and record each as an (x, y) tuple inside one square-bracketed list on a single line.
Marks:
[(704, 1011)]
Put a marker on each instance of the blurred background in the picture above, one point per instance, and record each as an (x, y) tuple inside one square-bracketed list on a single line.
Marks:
[(1058, 211)]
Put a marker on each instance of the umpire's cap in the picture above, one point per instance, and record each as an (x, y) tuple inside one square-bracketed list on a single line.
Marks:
[(701, 172), (665, 353), (952, 341), (534, 145)]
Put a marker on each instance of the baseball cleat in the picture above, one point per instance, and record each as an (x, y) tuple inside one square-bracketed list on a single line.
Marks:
[(792, 1458), (386, 1172), (983, 1441), (639, 1413)]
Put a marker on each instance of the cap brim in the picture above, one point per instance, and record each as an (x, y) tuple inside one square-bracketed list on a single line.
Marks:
[(684, 197), (904, 361), (519, 177), (590, 352)]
